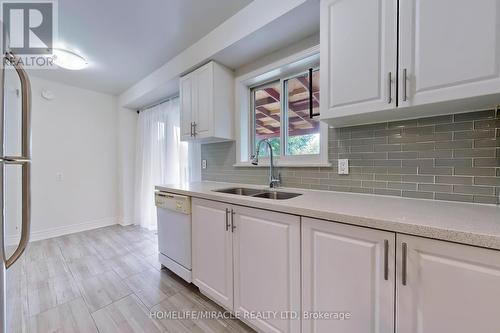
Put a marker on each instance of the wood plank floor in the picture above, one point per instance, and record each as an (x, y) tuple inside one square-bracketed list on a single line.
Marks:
[(103, 280)]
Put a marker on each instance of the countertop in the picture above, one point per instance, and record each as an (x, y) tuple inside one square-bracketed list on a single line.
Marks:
[(466, 223)]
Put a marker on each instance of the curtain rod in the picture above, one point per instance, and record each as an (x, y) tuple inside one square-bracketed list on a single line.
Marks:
[(157, 103)]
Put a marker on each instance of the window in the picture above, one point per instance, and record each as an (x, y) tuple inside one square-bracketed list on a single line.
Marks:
[(267, 116), (303, 134), (285, 119), (274, 102)]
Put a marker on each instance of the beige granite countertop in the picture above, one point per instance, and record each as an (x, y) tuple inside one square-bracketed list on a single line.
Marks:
[(472, 224)]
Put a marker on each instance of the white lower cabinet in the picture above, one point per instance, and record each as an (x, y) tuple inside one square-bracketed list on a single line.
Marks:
[(270, 265), (248, 260), (266, 252), (446, 287), (212, 251), (347, 269)]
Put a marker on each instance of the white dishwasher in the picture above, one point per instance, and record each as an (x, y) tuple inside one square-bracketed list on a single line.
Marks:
[(174, 232)]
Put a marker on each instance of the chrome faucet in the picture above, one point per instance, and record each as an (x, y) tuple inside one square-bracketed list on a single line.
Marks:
[(273, 181)]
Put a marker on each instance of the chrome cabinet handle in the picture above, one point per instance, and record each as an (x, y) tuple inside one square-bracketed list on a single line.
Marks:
[(191, 129), (405, 79), (389, 98), (404, 268), (194, 128), (386, 259), (233, 226), (24, 160), (227, 219)]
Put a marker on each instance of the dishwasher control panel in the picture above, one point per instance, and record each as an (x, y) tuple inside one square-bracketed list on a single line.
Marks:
[(175, 202)]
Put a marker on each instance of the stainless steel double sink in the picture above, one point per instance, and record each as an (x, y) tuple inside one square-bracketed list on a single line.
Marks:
[(256, 193)]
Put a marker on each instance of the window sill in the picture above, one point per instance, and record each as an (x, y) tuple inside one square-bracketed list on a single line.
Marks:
[(278, 164)]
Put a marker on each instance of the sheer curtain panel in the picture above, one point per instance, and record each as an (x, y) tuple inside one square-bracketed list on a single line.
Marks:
[(161, 158)]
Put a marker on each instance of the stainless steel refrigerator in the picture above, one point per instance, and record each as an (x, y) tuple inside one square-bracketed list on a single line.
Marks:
[(15, 170)]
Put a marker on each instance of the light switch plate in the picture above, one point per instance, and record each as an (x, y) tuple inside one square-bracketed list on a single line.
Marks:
[(343, 167), (204, 164)]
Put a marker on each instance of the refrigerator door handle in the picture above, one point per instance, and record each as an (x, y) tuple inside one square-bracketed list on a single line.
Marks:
[(24, 160), (14, 160)]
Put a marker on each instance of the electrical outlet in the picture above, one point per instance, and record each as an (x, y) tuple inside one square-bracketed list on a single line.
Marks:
[(343, 167), (204, 164)]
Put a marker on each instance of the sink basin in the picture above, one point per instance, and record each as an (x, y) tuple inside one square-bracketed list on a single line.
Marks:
[(277, 195), (240, 191), (256, 193)]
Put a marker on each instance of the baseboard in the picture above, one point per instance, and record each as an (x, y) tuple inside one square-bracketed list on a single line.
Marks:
[(64, 230), (125, 220)]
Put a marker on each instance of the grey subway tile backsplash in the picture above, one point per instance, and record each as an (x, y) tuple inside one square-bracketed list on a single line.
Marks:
[(452, 157), (476, 115), (476, 134), (454, 197), (435, 188), (491, 181), (453, 180), (454, 127)]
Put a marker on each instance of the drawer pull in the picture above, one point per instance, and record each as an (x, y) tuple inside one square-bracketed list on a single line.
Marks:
[(404, 275), (386, 260), (227, 219)]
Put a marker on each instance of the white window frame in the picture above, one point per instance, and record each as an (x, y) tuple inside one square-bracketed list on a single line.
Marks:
[(283, 69)]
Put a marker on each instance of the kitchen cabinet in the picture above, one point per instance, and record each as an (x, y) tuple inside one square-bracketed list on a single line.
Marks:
[(446, 287), (267, 267), (260, 249), (213, 250), (358, 56), (254, 261), (448, 54), (187, 104), (350, 269), (447, 61), (206, 104)]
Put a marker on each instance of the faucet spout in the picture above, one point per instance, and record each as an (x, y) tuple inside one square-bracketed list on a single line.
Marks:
[(273, 181)]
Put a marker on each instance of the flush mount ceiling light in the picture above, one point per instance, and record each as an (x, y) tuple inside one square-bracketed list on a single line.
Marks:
[(68, 59)]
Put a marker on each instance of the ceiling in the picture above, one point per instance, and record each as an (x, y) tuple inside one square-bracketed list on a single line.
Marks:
[(293, 27), (299, 23), (125, 40)]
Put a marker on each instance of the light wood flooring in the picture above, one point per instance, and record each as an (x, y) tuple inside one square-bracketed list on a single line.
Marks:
[(103, 280)]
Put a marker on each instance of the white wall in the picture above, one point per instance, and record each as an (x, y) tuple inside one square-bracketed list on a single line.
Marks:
[(74, 135), (127, 124)]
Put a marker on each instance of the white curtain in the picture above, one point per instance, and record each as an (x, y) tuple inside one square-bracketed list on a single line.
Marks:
[(161, 158)]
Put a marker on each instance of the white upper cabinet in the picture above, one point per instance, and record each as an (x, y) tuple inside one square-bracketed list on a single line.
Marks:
[(187, 106), (350, 269), (448, 58), (450, 50), (207, 103), (358, 56), (446, 287)]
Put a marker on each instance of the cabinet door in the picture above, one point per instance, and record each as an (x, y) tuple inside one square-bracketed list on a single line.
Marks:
[(186, 106), (358, 56), (347, 269), (449, 287), (204, 101), (212, 251), (267, 267), (450, 49)]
